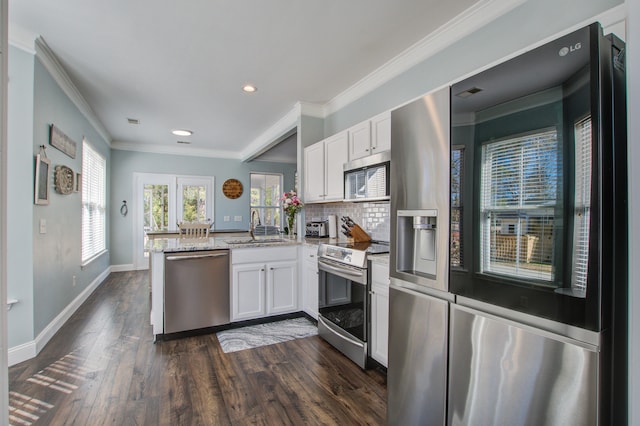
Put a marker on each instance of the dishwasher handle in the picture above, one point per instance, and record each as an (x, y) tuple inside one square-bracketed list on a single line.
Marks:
[(196, 256)]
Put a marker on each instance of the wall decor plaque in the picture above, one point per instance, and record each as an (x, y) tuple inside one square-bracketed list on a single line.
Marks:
[(232, 188), (64, 180), (61, 141)]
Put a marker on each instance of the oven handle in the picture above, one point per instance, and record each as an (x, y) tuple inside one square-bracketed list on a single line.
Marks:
[(337, 333), (344, 271)]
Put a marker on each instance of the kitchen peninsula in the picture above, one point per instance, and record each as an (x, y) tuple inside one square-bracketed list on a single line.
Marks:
[(253, 278)]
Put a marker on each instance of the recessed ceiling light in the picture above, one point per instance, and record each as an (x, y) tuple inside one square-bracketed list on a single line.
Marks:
[(181, 132), (249, 88)]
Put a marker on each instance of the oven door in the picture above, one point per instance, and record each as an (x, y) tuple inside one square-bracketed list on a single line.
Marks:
[(343, 309)]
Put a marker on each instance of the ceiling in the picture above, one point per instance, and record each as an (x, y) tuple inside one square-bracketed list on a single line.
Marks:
[(182, 64)]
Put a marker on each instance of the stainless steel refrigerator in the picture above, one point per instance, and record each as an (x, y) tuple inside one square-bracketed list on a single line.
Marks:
[(508, 262), (538, 247), (418, 296)]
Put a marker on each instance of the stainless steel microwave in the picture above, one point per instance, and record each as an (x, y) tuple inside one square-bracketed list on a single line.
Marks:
[(367, 179)]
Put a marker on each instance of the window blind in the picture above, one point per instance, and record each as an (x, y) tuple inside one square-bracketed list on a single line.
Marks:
[(582, 204), (519, 194), (93, 202)]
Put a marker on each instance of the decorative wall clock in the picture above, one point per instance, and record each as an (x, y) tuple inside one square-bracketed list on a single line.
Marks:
[(64, 179), (232, 188)]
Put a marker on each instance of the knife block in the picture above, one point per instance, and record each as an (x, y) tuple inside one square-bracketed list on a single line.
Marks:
[(359, 235)]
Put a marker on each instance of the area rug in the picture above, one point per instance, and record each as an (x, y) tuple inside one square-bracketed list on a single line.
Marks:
[(255, 336)]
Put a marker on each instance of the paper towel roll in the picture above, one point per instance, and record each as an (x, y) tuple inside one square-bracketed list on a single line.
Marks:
[(333, 226)]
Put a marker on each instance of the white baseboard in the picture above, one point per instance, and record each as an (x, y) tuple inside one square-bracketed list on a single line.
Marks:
[(123, 268), (22, 352), (25, 351)]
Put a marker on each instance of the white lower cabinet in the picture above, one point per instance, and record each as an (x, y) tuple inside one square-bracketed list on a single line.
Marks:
[(261, 285), (379, 312), (310, 280)]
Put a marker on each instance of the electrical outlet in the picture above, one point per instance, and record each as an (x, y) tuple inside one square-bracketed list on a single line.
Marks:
[(73, 283), (227, 218), (237, 218)]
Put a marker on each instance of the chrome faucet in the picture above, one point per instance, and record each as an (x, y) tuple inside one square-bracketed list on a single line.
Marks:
[(252, 224)]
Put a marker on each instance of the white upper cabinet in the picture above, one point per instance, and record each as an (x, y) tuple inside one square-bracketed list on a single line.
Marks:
[(381, 132), (323, 169), (370, 137), (360, 140), (314, 173), (336, 154)]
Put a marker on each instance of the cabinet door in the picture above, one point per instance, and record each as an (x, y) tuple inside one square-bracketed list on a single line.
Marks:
[(381, 133), (379, 312), (310, 281), (247, 291), (336, 154), (314, 172), (379, 323), (282, 287), (360, 140)]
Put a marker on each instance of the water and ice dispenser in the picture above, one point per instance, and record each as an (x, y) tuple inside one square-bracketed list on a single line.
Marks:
[(417, 243)]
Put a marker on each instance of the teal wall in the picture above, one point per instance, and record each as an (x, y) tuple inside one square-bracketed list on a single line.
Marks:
[(20, 172), (126, 163), (57, 253)]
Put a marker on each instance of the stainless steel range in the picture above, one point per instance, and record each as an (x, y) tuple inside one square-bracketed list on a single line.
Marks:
[(343, 296)]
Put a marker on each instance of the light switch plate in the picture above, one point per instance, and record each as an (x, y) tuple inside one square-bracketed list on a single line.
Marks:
[(237, 218), (227, 218), (43, 226)]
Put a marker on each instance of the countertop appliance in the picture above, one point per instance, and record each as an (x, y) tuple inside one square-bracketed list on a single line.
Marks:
[(196, 290), (317, 229), (418, 263), (538, 238), (343, 296), (367, 179)]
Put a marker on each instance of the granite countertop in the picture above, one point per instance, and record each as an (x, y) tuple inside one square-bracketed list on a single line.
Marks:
[(219, 242)]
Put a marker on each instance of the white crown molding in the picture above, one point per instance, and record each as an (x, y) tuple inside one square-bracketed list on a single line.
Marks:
[(174, 150), (472, 19), (60, 75), (22, 39)]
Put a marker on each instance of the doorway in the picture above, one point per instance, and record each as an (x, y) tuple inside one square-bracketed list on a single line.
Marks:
[(162, 201)]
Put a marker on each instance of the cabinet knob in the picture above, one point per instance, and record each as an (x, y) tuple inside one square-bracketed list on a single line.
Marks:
[(373, 147), (261, 270), (367, 149), (271, 269)]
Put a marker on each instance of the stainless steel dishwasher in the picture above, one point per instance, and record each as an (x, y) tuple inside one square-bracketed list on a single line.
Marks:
[(196, 290)]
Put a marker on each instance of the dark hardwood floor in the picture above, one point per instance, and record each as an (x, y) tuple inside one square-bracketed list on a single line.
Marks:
[(102, 367)]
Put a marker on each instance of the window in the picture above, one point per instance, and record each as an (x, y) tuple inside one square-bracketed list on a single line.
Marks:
[(456, 257), (266, 189), (93, 203), (582, 204), (520, 193)]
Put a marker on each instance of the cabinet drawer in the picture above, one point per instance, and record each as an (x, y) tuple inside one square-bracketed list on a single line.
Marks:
[(263, 254)]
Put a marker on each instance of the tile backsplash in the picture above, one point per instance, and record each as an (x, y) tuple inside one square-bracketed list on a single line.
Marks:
[(372, 217)]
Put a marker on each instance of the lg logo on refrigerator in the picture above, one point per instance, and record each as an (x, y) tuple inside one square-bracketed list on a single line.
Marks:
[(566, 50)]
